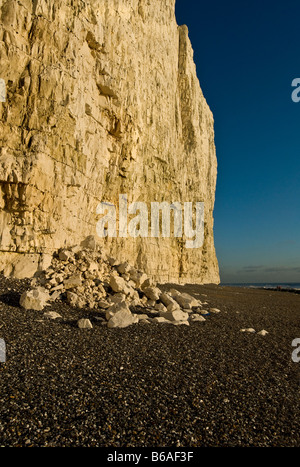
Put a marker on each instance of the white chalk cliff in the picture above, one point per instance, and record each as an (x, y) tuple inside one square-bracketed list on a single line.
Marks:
[(102, 99)]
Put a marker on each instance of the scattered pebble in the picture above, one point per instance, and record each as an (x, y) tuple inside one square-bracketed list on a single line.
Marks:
[(85, 324), (250, 330), (263, 333)]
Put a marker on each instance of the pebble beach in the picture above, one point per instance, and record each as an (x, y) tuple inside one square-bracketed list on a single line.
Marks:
[(210, 384)]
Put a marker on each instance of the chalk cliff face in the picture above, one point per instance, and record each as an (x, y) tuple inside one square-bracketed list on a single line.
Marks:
[(102, 99)]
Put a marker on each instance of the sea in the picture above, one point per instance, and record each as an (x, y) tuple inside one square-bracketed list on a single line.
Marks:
[(291, 286)]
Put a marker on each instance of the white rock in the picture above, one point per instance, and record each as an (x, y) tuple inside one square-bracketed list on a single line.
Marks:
[(161, 320), (24, 266), (103, 304), (123, 268), (204, 312), (118, 284), (138, 277), (126, 277), (35, 299), (250, 330), (155, 312), (113, 309), (93, 267), (135, 318), (184, 300), (85, 324), (59, 287), (52, 315), (187, 310), (215, 310), (152, 293), (167, 300), (173, 307), (197, 318), (131, 284), (136, 302), (145, 321), (73, 282), (148, 283), (173, 293), (55, 295), (144, 301), (132, 293), (142, 317), (194, 302), (176, 315), (160, 307), (140, 280), (75, 300), (122, 319), (263, 333), (118, 298)]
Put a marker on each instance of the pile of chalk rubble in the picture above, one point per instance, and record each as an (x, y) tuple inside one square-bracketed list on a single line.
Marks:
[(119, 294)]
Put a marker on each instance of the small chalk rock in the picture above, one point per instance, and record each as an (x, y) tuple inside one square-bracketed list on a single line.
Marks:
[(84, 324), (52, 315), (263, 333)]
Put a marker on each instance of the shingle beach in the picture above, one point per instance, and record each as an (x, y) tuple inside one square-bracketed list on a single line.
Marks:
[(152, 385)]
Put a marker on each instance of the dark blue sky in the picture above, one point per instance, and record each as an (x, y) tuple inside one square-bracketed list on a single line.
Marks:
[(247, 55)]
